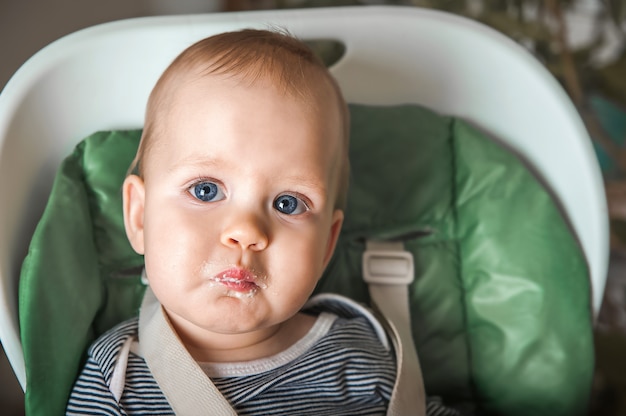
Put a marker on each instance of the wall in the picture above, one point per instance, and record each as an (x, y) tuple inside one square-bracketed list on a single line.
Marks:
[(29, 25)]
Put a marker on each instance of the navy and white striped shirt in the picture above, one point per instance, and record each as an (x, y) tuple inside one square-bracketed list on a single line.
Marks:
[(343, 366)]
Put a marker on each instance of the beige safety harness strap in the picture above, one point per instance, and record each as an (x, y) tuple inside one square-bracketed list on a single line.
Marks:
[(187, 388), (388, 270)]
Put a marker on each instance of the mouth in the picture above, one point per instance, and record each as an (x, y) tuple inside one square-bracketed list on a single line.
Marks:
[(239, 280)]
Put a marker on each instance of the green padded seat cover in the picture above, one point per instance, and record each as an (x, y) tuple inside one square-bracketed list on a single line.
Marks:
[(501, 300)]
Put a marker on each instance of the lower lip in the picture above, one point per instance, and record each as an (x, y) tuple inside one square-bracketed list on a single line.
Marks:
[(238, 285)]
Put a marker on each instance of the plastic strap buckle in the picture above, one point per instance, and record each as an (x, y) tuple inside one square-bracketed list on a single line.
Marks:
[(387, 264)]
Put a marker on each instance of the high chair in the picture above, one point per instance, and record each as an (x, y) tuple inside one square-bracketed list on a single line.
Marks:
[(98, 79)]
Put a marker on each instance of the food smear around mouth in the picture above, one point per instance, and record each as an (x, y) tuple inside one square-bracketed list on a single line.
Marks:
[(239, 282)]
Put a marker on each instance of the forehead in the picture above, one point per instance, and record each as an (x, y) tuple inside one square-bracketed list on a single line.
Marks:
[(202, 112), (196, 96)]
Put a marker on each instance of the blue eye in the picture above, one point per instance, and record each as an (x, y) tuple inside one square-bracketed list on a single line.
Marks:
[(290, 205), (207, 192)]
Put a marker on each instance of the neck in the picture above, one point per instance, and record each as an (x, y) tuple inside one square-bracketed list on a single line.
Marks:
[(213, 347)]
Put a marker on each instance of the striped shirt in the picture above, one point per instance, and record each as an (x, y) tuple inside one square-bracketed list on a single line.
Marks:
[(343, 366)]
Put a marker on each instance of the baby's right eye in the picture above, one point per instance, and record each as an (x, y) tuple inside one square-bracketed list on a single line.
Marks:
[(207, 192)]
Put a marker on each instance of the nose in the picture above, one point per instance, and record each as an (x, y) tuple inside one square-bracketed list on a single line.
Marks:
[(245, 230)]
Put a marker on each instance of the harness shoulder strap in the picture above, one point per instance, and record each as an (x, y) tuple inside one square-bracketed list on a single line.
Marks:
[(188, 390), (388, 270)]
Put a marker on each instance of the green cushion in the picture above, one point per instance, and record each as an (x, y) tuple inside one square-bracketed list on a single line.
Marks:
[(501, 300)]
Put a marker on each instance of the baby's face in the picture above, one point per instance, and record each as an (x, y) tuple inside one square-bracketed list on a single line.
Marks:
[(236, 213)]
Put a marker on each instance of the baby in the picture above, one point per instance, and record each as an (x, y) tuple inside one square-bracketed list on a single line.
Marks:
[(236, 200)]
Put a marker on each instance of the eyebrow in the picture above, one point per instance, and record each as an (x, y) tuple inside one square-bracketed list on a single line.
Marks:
[(196, 161), (205, 161)]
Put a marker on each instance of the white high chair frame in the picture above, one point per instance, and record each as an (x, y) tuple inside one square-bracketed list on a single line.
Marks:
[(99, 79)]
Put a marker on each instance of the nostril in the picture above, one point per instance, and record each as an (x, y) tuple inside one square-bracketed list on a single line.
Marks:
[(258, 243)]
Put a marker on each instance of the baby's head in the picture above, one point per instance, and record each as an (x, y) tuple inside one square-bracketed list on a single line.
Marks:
[(241, 185)]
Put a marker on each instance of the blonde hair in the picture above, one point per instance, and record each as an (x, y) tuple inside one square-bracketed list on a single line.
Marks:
[(250, 55)]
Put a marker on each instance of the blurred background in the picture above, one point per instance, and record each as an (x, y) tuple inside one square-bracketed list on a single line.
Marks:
[(581, 42)]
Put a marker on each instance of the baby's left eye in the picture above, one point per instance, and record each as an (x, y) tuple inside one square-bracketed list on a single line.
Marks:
[(290, 205)]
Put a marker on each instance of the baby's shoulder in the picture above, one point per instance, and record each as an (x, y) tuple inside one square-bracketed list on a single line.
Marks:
[(106, 348), (355, 320)]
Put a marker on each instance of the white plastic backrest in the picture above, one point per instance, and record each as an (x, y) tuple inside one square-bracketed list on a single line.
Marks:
[(99, 78)]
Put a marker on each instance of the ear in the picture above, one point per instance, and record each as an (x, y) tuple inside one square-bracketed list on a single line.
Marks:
[(335, 228), (133, 196)]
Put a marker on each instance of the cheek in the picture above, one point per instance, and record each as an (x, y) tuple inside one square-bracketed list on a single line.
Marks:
[(173, 242), (302, 252)]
